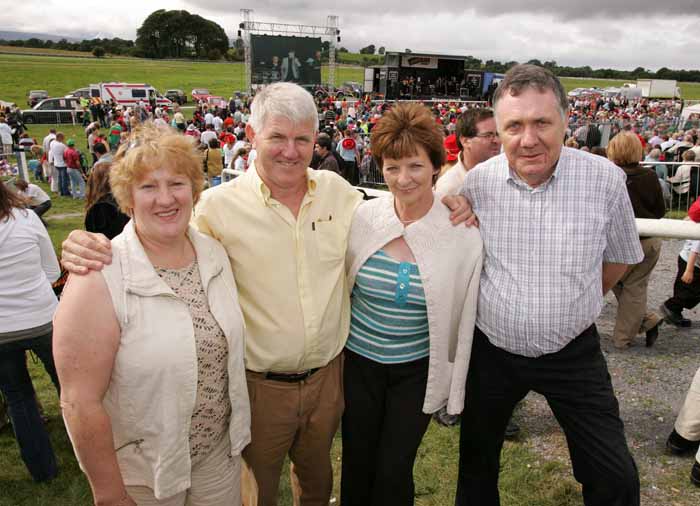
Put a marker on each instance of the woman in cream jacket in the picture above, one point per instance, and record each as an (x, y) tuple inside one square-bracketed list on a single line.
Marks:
[(150, 349), (415, 282)]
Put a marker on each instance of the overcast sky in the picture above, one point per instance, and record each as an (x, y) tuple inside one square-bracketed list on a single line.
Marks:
[(600, 33)]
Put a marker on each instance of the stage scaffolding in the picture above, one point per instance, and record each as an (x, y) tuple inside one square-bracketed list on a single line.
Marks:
[(330, 33)]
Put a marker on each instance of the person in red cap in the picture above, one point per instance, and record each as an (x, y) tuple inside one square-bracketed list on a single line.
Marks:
[(686, 288)]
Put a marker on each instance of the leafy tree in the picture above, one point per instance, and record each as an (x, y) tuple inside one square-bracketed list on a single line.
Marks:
[(381, 50), (98, 51), (407, 50), (472, 63), (343, 50), (368, 50)]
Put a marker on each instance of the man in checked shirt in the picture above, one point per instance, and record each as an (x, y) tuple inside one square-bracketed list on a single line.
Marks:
[(558, 231)]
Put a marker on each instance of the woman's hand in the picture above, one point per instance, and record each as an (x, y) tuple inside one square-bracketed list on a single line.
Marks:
[(687, 277)]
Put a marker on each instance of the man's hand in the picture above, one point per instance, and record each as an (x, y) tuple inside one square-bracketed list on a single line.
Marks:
[(84, 251), (461, 210)]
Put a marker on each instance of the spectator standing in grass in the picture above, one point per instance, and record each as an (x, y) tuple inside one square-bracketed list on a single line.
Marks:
[(28, 266), (5, 137), (685, 436), (49, 171), (74, 169), (114, 137), (56, 157)]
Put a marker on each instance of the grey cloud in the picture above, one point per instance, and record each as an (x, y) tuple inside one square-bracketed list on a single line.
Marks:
[(316, 10)]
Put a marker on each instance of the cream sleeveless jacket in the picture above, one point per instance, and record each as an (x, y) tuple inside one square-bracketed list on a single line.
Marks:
[(152, 392)]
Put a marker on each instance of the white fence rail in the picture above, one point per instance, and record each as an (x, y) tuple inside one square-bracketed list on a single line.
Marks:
[(664, 228)]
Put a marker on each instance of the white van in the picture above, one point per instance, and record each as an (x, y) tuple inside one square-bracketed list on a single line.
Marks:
[(128, 94)]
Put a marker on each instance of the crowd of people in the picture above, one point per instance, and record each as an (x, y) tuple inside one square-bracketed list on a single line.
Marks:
[(234, 327)]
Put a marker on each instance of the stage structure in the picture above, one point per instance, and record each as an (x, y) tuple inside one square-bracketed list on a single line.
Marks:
[(286, 52), (424, 76)]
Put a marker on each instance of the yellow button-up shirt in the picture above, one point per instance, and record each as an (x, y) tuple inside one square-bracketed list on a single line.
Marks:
[(290, 272)]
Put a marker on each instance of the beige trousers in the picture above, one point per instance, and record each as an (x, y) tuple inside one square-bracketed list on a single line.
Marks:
[(688, 421), (216, 481), (631, 292), (296, 419)]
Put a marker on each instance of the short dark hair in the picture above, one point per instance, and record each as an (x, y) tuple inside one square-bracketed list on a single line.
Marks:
[(324, 141), (523, 76), (466, 124), (99, 148)]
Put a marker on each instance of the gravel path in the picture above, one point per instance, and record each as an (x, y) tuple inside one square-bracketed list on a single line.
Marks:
[(651, 384)]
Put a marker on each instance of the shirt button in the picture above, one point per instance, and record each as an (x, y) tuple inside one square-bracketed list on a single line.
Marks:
[(405, 271), (402, 285)]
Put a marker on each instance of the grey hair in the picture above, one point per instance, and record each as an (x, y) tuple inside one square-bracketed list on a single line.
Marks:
[(524, 76), (288, 100)]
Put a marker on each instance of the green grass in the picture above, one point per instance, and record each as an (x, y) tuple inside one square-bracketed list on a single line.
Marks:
[(60, 75), (525, 479)]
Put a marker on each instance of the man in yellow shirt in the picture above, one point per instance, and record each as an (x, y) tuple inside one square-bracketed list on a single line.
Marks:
[(285, 228)]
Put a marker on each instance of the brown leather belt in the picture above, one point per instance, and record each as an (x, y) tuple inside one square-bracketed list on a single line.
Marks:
[(291, 377)]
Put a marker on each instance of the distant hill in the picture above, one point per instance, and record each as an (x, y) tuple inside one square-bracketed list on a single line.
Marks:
[(10, 35)]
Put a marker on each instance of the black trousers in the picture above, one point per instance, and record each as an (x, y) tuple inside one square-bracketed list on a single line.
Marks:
[(576, 384), (685, 296), (383, 426)]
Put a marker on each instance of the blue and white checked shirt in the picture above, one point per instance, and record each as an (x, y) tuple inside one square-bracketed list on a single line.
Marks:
[(541, 285)]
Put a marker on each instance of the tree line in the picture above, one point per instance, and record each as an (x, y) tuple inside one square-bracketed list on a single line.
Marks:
[(179, 34)]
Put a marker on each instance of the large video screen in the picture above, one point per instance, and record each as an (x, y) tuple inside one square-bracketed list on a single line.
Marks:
[(282, 58)]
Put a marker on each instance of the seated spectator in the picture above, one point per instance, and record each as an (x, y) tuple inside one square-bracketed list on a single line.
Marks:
[(680, 182), (39, 201)]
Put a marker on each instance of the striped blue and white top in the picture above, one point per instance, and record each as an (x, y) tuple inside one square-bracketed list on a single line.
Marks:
[(389, 321)]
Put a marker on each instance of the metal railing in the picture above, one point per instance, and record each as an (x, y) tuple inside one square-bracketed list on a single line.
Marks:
[(679, 193)]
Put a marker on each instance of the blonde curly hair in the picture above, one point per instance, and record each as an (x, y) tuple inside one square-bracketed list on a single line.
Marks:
[(149, 148)]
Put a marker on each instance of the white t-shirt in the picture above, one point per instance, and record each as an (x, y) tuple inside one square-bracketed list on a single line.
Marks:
[(46, 143), (26, 297), (208, 119), (5, 133), (228, 154), (36, 194), (56, 153), (690, 247), (218, 123), (206, 136)]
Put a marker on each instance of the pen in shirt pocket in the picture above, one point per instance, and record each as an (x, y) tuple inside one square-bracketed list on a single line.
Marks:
[(321, 220)]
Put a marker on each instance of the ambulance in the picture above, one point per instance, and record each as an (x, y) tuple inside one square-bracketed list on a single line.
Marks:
[(128, 94)]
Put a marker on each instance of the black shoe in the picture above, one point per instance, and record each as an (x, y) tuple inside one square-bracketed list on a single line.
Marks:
[(674, 317), (653, 334), (512, 430), (695, 474), (678, 445), (446, 420)]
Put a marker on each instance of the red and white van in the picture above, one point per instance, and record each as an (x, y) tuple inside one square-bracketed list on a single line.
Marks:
[(128, 94)]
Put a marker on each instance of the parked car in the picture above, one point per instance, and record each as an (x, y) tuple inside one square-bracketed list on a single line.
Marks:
[(80, 93), (177, 96), (34, 96), (216, 101), (54, 110), (200, 94)]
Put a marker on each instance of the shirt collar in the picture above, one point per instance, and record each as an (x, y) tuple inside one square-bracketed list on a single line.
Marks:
[(517, 181), (264, 192)]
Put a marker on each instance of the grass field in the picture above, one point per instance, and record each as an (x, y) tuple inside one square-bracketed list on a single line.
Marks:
[(43, 51), (60, 75)]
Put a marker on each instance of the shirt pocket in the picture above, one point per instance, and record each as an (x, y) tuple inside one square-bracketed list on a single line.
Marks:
[(330, 239), (582, 244)]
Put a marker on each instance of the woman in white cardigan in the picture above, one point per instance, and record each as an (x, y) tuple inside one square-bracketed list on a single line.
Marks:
[(415, 282)]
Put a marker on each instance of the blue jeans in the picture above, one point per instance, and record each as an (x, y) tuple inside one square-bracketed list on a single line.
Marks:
[(77, 183), (16, 385), (63, 187)]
